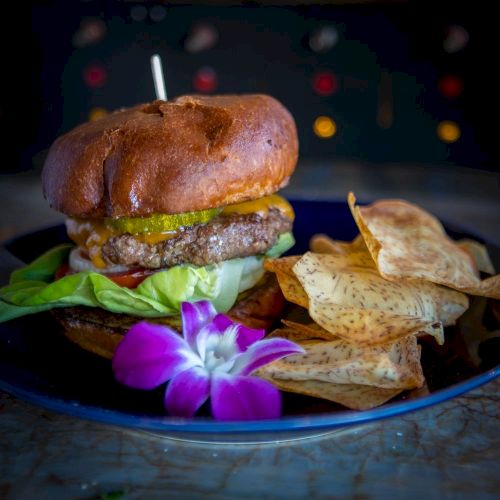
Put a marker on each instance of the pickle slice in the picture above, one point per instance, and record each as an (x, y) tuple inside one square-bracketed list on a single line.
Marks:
[(160, 223)]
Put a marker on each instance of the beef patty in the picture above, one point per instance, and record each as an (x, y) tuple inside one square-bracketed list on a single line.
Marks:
[(223, 238)]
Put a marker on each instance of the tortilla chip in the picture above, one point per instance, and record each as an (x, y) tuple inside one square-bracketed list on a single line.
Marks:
[(355, 282), (346, 254), (407, 242), (292, 290), (355, 397), (321, 243), (283, 265), (371, 327), (390, 366), (290, 286), (474, 330), (420, 392), (309, 331), (292, 334), (351, 300), (479, 254)]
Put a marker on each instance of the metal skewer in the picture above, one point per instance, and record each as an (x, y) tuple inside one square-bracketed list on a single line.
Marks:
[(156, 68)]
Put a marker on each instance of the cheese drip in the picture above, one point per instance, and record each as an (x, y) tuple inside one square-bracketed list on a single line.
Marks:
[(92, 234), (261, 207)]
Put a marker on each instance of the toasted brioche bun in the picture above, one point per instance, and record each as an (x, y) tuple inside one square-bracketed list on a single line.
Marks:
[(100, 331), (188, 154)]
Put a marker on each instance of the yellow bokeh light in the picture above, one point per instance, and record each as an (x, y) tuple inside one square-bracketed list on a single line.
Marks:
[(96, 113), (448, 131), (324, 127)]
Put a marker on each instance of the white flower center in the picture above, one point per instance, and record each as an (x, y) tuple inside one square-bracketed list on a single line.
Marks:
[(220, 350)]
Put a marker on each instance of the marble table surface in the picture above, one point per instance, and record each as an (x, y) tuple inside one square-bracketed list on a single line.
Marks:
[(447, 451), (450, 450)]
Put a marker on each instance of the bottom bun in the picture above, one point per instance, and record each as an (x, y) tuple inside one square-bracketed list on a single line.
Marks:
[(100, 331)]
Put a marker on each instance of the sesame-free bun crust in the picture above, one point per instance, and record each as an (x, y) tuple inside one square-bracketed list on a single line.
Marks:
[(190, 153)]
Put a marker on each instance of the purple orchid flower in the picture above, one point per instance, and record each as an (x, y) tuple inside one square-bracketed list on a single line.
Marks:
[(213, 358)]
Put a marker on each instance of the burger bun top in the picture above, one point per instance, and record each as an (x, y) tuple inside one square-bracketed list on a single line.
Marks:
[(188, 154)]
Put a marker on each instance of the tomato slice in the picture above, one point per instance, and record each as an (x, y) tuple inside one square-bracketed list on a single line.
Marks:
[(128, 279), (61, 272)]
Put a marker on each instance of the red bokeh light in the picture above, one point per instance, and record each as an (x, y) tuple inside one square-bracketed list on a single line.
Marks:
[(325, 83), (205, 80), (451, 86), (95, 76)]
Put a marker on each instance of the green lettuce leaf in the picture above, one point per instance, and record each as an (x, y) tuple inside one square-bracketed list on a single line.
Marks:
[(158, 295), (284, 243), (32, 290), (44, 267)]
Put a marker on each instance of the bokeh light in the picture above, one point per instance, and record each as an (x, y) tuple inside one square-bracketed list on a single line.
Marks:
[(325, 83), (157, 13), (95, 76), (448, 131), (323, 39), (456, 39), (324, 127), (97, 113), (450, 86), (90, 32), (138, 13), (205, 80), (201, 37)]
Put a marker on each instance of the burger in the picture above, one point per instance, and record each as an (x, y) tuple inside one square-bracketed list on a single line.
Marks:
[(166, 202)]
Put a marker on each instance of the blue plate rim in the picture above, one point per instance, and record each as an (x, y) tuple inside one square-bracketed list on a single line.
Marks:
[(287, 423)]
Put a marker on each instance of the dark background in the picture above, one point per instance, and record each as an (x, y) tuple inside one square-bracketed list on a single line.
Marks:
[(54, 73)]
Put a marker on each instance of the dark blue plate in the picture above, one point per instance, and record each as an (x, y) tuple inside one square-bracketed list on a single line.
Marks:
[(38, 365)]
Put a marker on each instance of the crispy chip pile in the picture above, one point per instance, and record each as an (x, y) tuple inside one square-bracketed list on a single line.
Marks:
[(370, 299), (407, 242), (352, 301)]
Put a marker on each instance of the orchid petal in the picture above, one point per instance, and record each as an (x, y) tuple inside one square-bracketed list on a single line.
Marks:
[(262, 353), (195, 315), (149, 355), (223, 322), (187, 391), (248, 336), (243, 398)]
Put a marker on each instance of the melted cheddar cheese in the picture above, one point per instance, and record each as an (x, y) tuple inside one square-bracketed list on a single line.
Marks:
[(261, 207), (92, 234)]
